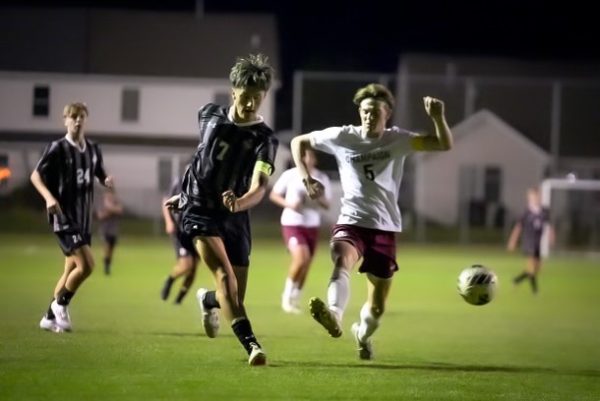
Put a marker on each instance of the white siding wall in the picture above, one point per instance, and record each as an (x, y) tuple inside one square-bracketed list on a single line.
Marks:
[(167, 106), (438, 175)]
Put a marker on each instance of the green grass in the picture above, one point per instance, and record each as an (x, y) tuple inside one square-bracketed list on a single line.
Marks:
[(129, 345)]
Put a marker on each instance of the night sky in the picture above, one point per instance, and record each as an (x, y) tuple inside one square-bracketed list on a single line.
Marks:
[(369, 35)]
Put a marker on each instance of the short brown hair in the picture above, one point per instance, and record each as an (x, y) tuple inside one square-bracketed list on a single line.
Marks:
[(375, 91), (75, 107), (252, 71)]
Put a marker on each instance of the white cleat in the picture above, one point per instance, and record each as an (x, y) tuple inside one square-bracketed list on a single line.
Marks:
[(365, 348), (210, 316), (49, 325), (61, 312), (257, 356), (289, 307)]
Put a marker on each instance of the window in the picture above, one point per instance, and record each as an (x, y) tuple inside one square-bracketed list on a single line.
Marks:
[(492, 184), (41, 100), (130, 104), (164, 175)]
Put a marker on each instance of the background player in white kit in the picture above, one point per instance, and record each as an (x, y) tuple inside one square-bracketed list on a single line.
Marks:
[(300, 222), (370, 160)]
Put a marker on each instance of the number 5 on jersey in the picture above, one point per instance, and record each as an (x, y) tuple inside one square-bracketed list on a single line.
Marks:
[(369, 173)]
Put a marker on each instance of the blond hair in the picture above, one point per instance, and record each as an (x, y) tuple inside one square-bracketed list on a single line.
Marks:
[(374, 91), (75, 107)]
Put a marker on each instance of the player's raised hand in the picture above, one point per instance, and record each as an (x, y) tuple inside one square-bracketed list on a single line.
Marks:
[(230, 201), (314, 188), (173, 202), (434, 107)]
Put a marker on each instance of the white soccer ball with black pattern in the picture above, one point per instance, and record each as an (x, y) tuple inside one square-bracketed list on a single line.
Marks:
[(477, 284)]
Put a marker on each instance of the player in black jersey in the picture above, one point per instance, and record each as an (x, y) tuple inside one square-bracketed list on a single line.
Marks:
[(185, 253), (530, 229), (64, 177), (227, 176)]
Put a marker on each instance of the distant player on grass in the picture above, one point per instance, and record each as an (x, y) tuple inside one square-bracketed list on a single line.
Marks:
[(300, 223), (530, 229), (109, 215), (229, 175), (370, 160), (64, 177), (185, 253)]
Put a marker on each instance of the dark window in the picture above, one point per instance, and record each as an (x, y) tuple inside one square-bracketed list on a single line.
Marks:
[(492, 184), (130, 104), (41, 100), (164, 174)]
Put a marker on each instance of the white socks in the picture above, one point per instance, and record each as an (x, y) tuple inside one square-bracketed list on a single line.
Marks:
[(368, 323), (291, 293), (338, 292), (288, 289)]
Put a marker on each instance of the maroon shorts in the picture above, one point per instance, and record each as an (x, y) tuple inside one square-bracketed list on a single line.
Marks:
[(300, 235), (376, 247)]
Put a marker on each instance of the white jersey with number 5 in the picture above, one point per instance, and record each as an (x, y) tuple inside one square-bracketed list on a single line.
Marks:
[(370, 173)]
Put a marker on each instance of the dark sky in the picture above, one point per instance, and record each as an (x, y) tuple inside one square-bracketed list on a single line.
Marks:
[(369, 35)]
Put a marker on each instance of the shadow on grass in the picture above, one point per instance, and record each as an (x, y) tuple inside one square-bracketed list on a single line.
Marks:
[(440, 367), (182, 334)]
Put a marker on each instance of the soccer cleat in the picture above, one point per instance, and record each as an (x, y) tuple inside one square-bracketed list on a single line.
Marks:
[(61, 312), (257, 356), (164, 293), (289, 307), (365, 348), (210, 316), (321, 313), (49, 325)]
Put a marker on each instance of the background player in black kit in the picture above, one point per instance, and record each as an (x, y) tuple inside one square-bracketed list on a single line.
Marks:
[(530, 228), (185, 253), (64, 177), (227, 176)]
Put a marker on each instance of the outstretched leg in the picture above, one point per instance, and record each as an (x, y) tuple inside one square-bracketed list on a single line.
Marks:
[(213, 252)]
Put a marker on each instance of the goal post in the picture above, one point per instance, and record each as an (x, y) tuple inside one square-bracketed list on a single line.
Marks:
[(574, 207)]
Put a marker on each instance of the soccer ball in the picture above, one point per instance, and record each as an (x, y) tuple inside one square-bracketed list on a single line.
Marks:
[(477, 284)]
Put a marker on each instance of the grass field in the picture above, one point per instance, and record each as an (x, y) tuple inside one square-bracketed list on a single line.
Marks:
[(129, 345)]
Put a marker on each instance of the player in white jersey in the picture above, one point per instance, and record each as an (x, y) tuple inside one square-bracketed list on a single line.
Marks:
[(370, 160), (300, 222)]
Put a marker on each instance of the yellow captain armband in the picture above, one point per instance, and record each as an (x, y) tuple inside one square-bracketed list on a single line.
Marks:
[(263, 167)]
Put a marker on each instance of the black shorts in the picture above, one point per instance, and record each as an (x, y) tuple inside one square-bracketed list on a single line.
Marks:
[(183, 246), (70, 241), (532, 251), (233, 228), (110, 239)]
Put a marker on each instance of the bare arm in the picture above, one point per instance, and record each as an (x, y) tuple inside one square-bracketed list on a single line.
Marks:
[(514, 237), (442, 140), (313, 187), (169, 223), (551, 234), (51, 203), (258, 188), (280, 201)]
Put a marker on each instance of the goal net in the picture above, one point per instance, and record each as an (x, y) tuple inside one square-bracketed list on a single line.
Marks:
[(574, 207)]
